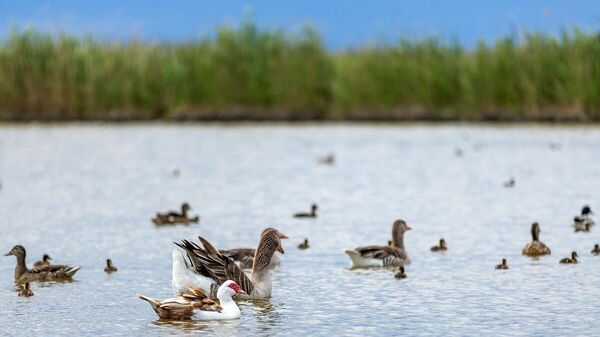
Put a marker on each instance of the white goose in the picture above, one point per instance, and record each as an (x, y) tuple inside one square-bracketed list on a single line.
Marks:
[(382, 256), (195, 304), (209, 268)]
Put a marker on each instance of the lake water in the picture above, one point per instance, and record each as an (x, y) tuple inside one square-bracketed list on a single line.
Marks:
[(83, 193)]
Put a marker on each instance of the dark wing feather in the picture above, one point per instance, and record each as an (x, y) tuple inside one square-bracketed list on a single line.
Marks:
[(381, 252)]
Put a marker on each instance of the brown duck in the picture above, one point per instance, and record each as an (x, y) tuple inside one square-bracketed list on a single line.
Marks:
[(39, 274), (502, 265), (596, 250), (536, 247), (571, 260), (174, 218), (44, 262), (109, 267), (312, 214), (441, 247)]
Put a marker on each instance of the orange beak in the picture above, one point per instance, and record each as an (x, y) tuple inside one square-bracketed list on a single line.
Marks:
[(283, 236), (408, 228), (280, 249)]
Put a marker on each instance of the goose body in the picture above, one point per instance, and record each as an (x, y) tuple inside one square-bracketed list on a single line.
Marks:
[(536, 247), (209, 268), (41, 273), (382, 256), (196, 304)]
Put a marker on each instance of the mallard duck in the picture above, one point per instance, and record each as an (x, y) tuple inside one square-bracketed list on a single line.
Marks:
[(327, 160), (44, 262), (303, 245), (596, 250), (196, 304), (502, 265), (24, 290), (442, 246), (109, 266), (585, 218), (536, 247), (40, 274), (173, 217), (510, 182), (211, 268), (571, 260), (400, 274), (312, 214), (244, 257), (382, 256)]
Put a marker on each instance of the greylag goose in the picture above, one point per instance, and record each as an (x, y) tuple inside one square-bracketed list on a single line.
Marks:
[(303, 245), (44, 262), (400, 274), (109, 267), (40, 274), (382, 256), (536, 247), (173, 218), (596, 250), (195, 304), (244, 257), (441, 247), (210, 268), (571, 260), (312, 214), (502, 265)]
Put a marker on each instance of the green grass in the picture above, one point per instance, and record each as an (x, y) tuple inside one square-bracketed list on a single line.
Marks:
[(249, 73)]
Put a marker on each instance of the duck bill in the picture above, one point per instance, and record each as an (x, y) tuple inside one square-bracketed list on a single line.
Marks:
[(280, 249), (8, 254)]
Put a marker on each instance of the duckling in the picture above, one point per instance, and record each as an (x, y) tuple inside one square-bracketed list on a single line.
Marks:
[(39, 274), (596, 250), (510, 183), (571, 260), (327, 160), (312, 214), (400, 274), (441, 247), (303, 245), (502, 265), (44, 262), (109, 266), (458, 152), (24, 290)]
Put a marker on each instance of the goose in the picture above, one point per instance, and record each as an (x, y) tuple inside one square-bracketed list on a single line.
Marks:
[(44, 262), (244, 257), (571, 260), (109, 266), (510, 183), (173, 218), (40, 274), (312, 214), (596, 250), (442, 246), (327, 160), (400, 274), (382, 256), (210, 268), (303, 245), (536, 247), (502, 265), (195, 304)]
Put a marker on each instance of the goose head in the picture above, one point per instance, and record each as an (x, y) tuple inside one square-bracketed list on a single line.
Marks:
[(18, 251), (229, 288), (586, 210), (400, 226), (271, 229)]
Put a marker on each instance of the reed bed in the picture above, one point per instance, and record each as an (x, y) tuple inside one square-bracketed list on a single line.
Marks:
[(254, 74)]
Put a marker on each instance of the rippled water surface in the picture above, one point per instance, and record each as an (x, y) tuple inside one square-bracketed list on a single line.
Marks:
[(83, 193)]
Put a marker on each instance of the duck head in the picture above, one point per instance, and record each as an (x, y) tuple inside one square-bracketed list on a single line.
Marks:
[(313, 208), (535, 231), (586, 210), (574, 256), (443, 243), (229, 288), (46, 258), (18, 251), (400, 226), (504, 262), (185, 207)]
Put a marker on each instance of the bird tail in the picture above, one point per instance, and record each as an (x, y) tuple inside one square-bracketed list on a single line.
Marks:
[(153, 302), (72, 271)]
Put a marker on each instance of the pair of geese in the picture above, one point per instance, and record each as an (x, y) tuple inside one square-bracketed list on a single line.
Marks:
[(209, 273)]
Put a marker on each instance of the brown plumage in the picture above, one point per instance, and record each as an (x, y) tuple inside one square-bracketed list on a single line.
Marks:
[(536, 247), (304, 244), (441, 247), (244, 257), (182, 307), (23, 290), (312, 214), (174, 218), (109, 267), (502, 265), (571, 260), (400, 274), (44, 262), (596, 250), (41, 274)]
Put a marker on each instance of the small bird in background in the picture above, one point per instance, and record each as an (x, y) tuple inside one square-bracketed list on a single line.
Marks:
[(176, 172), (502, 265), (312, 214), (596, 250), (458, 152), (441, 247), (24, 290), (571, 260), (304, 245), (510, 183), (109, 266), (327, 160), (389, 243)]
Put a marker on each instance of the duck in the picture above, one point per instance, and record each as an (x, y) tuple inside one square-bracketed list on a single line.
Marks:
[(44, 262), (38, 274), (173, 217), (596, 250), (303, 245), (312, 214), (582, 227), (510, 183), (109, 267), (327, 160), (579, 221), (382, 256), (389, 243), (442, 246), (571, 260), (24, 290), (244, 257), (502, 265), (195, 304), (536, 247), (209, 268), (400, 274)]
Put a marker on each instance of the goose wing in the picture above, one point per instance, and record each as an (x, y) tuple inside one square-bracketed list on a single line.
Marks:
[(391, 256)]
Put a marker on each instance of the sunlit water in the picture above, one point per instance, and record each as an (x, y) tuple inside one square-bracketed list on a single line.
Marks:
[(83, 193)]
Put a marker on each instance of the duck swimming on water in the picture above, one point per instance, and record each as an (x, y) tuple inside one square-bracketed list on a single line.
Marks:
[(109, 267), (173, 217), (400, 274), (596, 250), (312, 214), (571, 260), (304, 245), (441, 247), (44, 262), (502, 265), (40, 274), (536, 247)]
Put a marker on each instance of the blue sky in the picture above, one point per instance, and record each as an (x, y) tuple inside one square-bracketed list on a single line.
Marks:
[(342, 23)]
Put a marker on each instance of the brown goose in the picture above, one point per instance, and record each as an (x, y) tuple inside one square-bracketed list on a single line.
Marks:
[(40, 274), (244, 257), (173, 218), (312, 214), (571, 260), (383, 256), (44, 262), (209, 268), (109, 267), (536, 247)]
